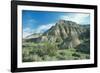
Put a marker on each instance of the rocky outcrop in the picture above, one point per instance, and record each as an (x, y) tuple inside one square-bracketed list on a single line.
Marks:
[(66, 34)]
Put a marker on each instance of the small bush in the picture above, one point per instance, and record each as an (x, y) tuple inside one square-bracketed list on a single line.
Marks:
[(46, 58), (76, 55), (62, 53), (32, 58), (50, 49), (76, 58), (87, 57), (27, 59), (36, 58)]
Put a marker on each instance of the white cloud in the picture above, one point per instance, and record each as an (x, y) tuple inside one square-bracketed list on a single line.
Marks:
[(27, 31), (30, 22), (43, 28), (78, 18)]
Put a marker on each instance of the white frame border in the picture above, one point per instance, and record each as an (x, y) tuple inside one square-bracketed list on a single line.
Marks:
[(52, 63)]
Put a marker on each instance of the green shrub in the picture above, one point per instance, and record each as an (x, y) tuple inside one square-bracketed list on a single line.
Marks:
[(49, 58), (84, 47), (62, 53), (36, 58), (87, 57), (50, 48), (31, 58), (76, 55), (76, 58), (27, 59), (46, 58)]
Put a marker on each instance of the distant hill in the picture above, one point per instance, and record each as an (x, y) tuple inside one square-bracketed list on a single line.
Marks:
[(65, 34)]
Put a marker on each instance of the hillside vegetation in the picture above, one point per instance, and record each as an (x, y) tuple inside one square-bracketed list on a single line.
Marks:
[(66, 40)]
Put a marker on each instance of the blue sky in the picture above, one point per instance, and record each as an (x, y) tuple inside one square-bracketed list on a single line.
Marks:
[(40, 21)]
